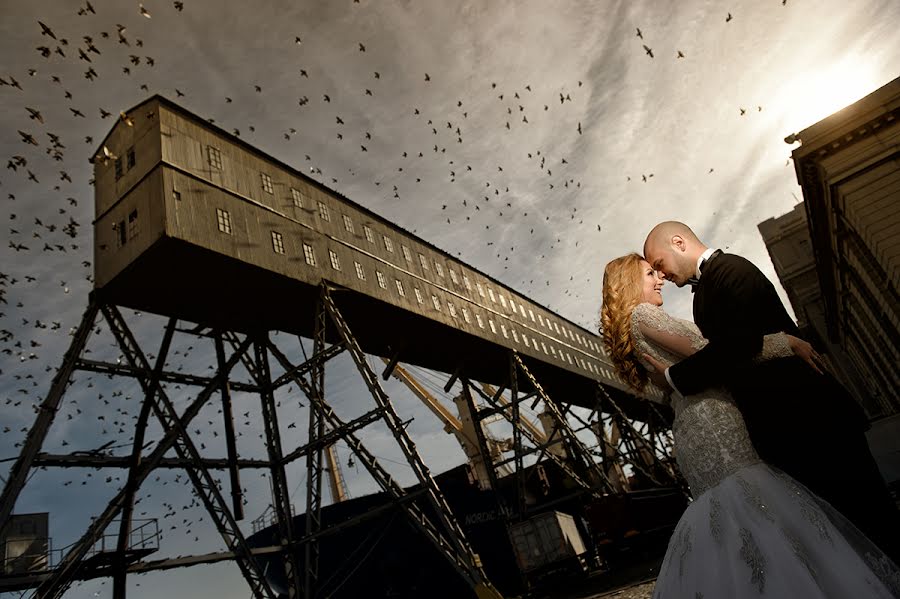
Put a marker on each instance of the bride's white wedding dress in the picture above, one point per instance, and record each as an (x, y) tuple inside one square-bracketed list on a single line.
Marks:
[(751, 530)]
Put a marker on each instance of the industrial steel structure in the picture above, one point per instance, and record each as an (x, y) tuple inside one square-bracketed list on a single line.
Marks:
[(230, 244)]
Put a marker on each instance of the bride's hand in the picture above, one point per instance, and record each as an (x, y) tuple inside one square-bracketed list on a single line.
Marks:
[(803, 350)]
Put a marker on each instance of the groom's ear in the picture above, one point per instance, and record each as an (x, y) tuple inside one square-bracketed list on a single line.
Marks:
[(679, 242)]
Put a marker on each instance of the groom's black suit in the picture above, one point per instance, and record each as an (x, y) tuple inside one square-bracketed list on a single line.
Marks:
[(800, 421)]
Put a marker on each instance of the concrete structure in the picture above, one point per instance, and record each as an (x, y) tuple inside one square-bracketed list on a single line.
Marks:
[(242, 241), (849, 168)]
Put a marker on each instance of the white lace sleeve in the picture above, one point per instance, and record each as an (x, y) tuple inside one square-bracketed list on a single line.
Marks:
[(775, 345), (666, 338), (670, 339)]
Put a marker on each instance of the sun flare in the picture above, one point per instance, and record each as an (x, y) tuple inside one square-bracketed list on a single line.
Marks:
[(810, 97)]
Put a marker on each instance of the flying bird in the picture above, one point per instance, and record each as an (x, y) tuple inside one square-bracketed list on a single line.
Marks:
[(680, 54), (34, 114), (639, 34), (648, 50), (46, 30), (144, 11), (27, 138), (728, 18)]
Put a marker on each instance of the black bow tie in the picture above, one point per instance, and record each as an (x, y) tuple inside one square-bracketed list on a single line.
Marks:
[(694, 281), (711, 256)]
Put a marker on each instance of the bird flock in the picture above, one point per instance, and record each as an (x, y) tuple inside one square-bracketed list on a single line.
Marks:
[(82, 71)]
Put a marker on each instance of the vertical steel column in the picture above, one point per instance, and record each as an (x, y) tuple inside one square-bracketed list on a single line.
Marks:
[(517, 437), (276, 468), (131, 486), (234, 475), (313, 518), (38, 432)]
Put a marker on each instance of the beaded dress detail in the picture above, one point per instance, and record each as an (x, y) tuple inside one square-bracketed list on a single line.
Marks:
[(751, 530)]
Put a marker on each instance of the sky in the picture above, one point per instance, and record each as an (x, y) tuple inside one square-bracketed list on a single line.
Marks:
[(533, 140)]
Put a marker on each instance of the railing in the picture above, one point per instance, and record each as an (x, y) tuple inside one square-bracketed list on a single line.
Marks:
[(266, 519), (41, 556), (145, 536)]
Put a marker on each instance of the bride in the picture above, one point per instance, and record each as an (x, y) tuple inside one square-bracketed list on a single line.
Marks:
[(751, 530)]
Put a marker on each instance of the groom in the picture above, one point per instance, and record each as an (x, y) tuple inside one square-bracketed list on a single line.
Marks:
[(801, 421)]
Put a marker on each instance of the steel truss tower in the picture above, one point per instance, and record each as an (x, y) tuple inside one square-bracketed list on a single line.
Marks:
[(300, 555), (644, 446)]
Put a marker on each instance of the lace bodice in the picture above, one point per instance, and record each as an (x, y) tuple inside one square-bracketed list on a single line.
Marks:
[(711, 439)]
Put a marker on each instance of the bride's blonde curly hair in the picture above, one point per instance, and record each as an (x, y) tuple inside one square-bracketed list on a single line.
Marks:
[(621, 293)]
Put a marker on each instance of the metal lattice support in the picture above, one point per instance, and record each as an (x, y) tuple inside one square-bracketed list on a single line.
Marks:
[(542, 447), (203, 482), (638, 445), (282, 497), (576, 448), (517, 436), (451, 541), (230, 440), (456, 538), (326, 428), (314, 458), (175, 435), (137, 446)]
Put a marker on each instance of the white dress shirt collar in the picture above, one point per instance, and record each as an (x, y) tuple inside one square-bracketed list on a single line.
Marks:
[(704, 256)]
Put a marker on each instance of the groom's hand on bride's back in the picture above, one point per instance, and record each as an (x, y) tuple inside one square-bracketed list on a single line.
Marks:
[(657, 375)]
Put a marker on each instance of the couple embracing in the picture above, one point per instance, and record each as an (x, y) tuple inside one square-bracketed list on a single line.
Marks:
[(787, 499)]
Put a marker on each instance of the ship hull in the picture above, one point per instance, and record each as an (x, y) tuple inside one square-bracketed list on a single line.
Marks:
[(384, 555)]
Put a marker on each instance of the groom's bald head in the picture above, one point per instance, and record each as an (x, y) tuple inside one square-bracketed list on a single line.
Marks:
[(673, 249), (664, 231)]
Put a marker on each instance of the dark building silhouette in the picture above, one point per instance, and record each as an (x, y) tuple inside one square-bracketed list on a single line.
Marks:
[(837, 254)]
